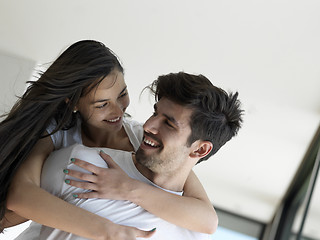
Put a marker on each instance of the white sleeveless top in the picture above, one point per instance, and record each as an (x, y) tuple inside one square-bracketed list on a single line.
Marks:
[(65, 138)]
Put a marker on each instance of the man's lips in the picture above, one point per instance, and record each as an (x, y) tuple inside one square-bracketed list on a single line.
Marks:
[(151, 141)]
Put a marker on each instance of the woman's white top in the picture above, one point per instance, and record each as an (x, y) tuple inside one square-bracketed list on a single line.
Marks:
[(65, 138)]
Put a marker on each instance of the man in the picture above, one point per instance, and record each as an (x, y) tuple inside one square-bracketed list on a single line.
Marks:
[(191, 121)]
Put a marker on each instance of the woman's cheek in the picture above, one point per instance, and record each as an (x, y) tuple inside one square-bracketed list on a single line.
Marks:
[(126, 102)]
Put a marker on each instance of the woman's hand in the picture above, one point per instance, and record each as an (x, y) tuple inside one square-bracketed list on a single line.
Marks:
[(110, 183)]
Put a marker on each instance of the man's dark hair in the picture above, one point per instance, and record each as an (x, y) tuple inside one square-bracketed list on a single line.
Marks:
[(216, 115)]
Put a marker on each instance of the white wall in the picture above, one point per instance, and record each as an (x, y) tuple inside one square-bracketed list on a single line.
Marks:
[(15, 71), (268, 50)]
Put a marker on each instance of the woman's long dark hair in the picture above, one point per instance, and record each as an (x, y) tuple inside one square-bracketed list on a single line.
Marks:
[(54, 95)]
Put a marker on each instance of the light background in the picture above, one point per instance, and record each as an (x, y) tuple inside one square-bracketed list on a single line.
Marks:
[(268, 51)]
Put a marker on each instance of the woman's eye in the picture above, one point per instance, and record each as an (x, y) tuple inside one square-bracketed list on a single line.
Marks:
[(102, 106), (124, 94)]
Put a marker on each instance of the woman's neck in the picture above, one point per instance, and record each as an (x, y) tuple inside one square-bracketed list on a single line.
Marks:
[(97, 138)]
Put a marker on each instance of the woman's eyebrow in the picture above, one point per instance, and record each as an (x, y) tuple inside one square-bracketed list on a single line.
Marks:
[(107, 99), (123, 90), (100, 100)]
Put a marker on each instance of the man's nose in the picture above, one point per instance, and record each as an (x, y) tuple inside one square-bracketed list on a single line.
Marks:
[(151, 125)]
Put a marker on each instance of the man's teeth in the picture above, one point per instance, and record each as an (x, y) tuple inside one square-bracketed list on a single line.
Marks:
[(150, 143), (114, 120)]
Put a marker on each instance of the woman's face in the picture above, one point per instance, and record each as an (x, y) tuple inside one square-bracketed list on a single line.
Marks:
[(104, 106)]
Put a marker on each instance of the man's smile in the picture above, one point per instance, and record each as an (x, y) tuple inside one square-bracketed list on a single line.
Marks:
[(150, 141)]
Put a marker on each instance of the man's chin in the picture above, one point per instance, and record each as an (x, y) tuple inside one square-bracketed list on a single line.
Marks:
[(139, 151), (143, 158), (140, 154)]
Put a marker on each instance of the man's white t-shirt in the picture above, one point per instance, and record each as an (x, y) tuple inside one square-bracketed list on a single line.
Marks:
[(120, 212)]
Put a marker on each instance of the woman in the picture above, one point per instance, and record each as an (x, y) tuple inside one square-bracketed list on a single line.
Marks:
[(81, 98)]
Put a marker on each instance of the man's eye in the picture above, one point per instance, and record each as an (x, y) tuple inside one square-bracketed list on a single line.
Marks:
[(169, 124)]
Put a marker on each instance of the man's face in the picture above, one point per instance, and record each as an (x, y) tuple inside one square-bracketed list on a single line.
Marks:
[(164, 146)]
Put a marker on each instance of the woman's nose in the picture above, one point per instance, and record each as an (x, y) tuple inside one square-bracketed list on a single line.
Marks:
[(117, 109)]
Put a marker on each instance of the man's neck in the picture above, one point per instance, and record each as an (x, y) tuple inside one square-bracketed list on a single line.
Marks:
[(172, 182)]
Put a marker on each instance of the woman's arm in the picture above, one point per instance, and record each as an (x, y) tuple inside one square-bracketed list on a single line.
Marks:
[(28, 200), (12, 219), (193, 210)]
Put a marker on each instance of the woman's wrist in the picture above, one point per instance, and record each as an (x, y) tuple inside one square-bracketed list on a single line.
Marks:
[(101, 229), (135, 190)]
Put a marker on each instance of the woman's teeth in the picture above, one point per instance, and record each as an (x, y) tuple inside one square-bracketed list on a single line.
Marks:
[(114, 120)]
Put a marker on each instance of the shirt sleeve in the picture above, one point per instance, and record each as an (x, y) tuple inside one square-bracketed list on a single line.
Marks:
[(56, 137), (134, 130)]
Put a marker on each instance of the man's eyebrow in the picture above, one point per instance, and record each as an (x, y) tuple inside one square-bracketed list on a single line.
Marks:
[(169, 118), (105, 100)]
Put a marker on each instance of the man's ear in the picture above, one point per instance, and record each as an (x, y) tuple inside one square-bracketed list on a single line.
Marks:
[(202, 149)]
